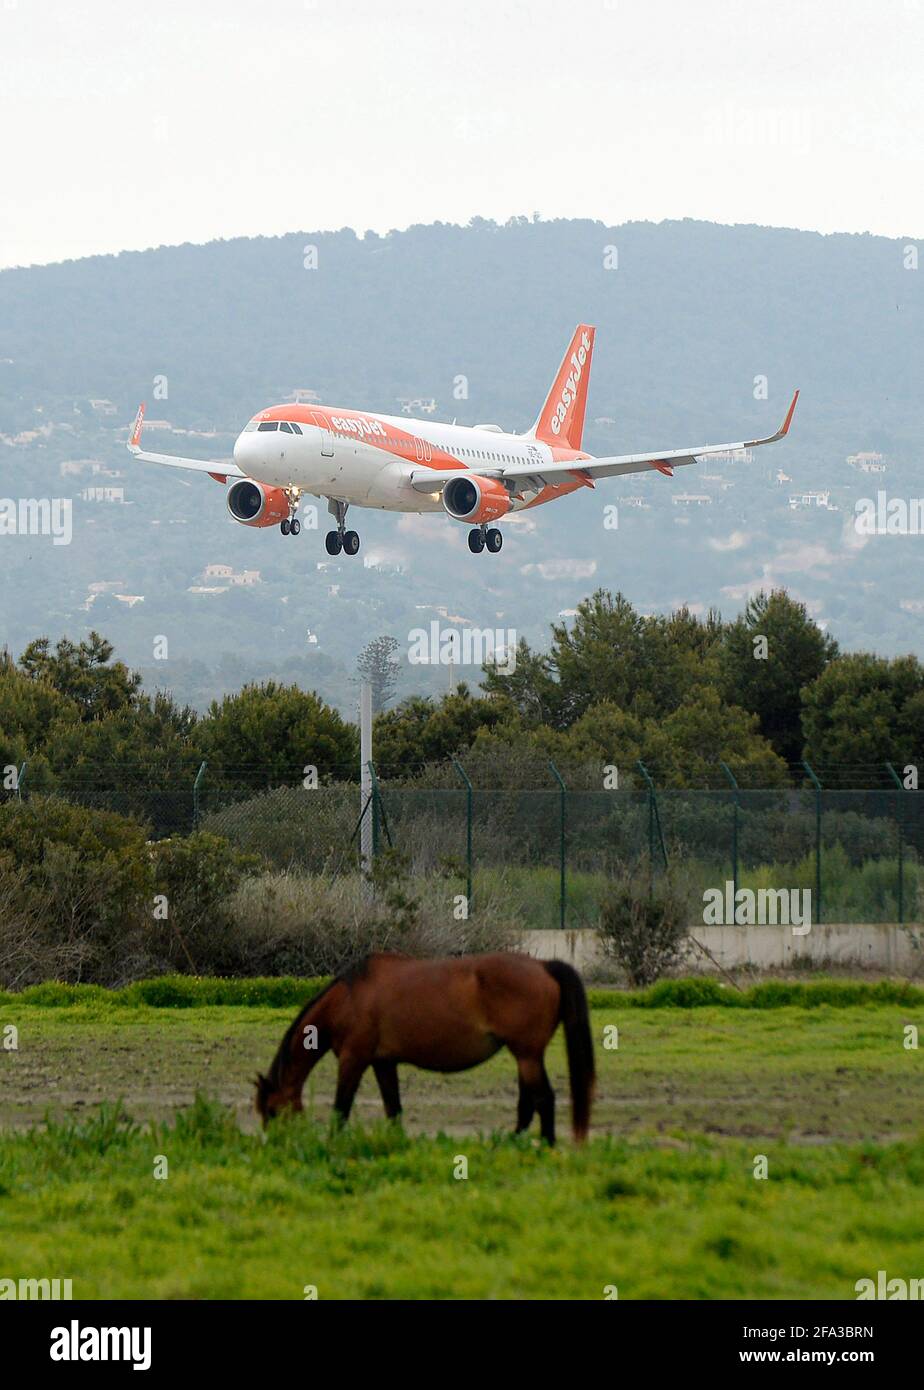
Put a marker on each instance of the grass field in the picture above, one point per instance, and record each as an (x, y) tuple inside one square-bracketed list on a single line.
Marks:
[(662, 1202)]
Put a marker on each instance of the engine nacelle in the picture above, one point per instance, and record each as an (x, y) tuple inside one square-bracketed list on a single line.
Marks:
[(474, 499), (255, 505)]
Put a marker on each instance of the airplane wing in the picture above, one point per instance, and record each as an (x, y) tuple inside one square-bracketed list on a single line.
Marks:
[(428, 479), (221, 471)]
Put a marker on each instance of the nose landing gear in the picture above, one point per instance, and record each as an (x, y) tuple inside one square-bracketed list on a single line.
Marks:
[(290, 525), (481, 537), (341, 539)]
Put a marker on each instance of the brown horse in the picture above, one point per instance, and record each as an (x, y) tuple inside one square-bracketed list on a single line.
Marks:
[(443, 1015)]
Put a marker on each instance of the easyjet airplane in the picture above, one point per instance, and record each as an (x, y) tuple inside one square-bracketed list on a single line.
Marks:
[(476, 474)]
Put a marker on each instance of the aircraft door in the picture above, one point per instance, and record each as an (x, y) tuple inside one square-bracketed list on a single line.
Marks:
[(327, 439)]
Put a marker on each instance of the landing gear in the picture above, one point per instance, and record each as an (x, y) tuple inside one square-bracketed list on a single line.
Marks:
[(481, 537), (291, 525), (335, 541)]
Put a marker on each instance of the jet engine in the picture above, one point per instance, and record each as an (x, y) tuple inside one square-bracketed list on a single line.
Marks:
[(255, 505), (475, 500)]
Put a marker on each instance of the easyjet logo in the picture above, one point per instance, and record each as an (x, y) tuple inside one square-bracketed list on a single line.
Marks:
[(352, 425), (569, 390)]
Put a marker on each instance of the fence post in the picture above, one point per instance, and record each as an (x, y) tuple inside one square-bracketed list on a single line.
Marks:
[(817, 786), (654, 822), (468, 832), (901, 843), (563, 793), (731, 777), (376, 808), (196, 785)]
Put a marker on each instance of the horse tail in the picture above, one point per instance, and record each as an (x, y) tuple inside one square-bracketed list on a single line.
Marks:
[(572, 1012)]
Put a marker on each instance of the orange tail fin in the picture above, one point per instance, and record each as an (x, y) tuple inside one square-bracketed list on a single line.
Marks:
[(561, 420)]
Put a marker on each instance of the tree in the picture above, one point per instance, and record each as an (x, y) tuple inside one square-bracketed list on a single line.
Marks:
[(280, 730), (611, 653), (865, 710), (377, 665), (683, 749), (599, 656), (28, 711), (768, 655), (84, 673), (530, 687), (421, 731)]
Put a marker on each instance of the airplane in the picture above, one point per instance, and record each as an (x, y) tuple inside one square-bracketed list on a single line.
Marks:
[(475, 474)]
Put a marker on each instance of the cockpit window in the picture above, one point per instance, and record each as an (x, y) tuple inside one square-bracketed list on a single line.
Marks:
[(268, 425), (296, 429), (287, 428), (251, 425)]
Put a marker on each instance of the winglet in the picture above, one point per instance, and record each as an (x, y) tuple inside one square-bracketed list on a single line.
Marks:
[(781, 432), (784, 428), (134, 439)]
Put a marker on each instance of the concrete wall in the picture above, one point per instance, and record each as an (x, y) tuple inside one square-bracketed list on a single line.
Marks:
[(874, 947)]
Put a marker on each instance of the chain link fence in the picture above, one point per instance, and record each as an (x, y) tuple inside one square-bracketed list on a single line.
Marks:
[(552, 851)]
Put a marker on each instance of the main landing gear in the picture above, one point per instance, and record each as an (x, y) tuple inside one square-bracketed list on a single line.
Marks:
[(340, 540), (485, 537)]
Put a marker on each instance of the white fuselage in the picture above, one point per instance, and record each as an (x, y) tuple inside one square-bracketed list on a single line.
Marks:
[(368, 459)]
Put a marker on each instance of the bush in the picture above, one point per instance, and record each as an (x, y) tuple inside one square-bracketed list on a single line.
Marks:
[(292, 924), (291, 827), (644, 924), (74, 885), (77, 896), (197, 877)]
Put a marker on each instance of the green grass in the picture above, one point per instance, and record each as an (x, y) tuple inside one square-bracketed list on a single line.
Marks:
[(864, 892), (188, 991), (375, 1214), (661, 1203), (826, 1073)]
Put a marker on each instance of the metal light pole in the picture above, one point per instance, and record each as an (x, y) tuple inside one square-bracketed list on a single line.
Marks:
[(365, 786)]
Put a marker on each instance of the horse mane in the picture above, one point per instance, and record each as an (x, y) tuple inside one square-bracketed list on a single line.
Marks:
[(273, 1078)]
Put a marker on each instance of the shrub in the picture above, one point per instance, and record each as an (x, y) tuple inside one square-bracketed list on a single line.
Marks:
[(291, 924), (74, 885), (197, 876), (291, 826), (644, 923)]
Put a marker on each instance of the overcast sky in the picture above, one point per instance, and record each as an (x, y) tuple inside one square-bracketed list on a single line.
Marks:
[(127, 125)]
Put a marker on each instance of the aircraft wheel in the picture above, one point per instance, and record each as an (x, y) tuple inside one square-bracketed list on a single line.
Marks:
[(332, 543), (494, 540), (296, 526), (475, 541), (351, 542), (285, 527)]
